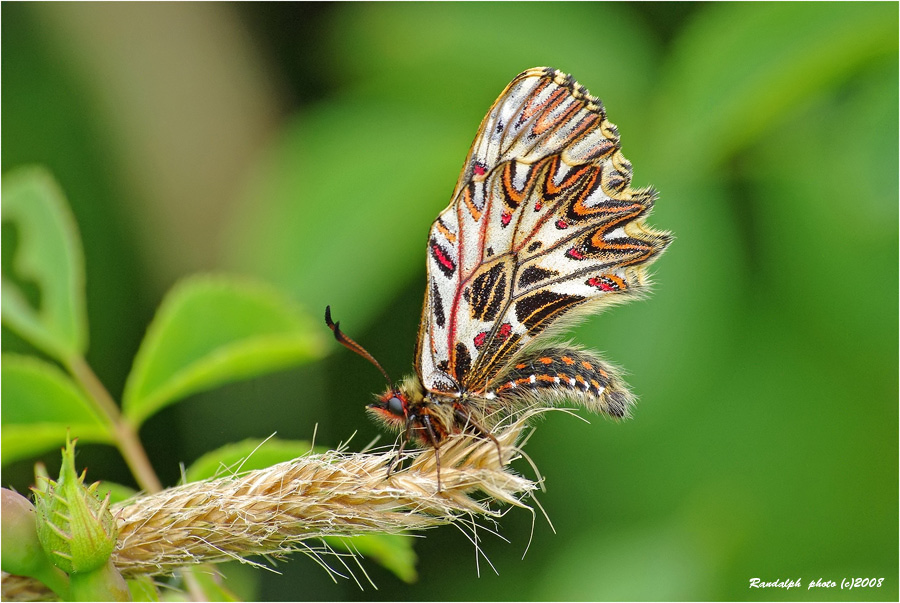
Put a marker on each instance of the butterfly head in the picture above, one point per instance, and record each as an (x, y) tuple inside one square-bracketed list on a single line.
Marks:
[(397, 405), (392, 407)]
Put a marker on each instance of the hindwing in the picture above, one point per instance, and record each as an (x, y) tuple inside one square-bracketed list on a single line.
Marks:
[(542, 222)]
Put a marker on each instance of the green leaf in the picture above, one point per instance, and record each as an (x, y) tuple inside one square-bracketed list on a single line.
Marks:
[(245, 455), (446, 64), (393, 551), (40, 404), (286, 233), (142, 588), (210, 584), (49, 255), (212, 330), (739, 68)]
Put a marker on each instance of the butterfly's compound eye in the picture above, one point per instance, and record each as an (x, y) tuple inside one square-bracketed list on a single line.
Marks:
[(395, 406)]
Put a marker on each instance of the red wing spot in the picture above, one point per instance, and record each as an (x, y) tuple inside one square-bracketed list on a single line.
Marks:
[(538, 205), (603, 283), (505, 330), (545, 360), (505, 218), (479, 339), (606, 283), (479, 169), (562, 224), (567, 360), (442, 258), (587, 365), (574, 254)]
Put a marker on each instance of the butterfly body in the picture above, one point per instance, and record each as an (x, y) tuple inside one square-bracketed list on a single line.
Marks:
[(543, 229), (428, 418)]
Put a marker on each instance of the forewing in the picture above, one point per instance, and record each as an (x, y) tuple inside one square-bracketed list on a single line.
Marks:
[(542, 221)]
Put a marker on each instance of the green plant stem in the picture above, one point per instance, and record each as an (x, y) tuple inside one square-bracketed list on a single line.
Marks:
[(133, 451), (127, 440)]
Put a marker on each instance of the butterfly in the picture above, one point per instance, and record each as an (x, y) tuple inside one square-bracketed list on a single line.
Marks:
[(542, 229)]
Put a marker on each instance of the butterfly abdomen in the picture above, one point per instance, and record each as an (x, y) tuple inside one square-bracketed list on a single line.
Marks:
[(560, 374)]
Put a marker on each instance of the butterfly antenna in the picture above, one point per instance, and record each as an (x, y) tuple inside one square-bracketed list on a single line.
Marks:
[(352, 345)]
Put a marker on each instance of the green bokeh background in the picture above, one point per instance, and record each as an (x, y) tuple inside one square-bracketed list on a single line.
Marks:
[(312, 146)]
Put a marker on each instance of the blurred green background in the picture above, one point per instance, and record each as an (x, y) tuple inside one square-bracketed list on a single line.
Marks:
[(312, 145)]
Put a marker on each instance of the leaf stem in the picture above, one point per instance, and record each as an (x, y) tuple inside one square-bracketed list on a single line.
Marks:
[(127, 440), (133, 451), (89, 381)]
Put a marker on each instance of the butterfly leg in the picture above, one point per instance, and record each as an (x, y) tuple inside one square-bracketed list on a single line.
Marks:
[(463, 415), (432, 438)]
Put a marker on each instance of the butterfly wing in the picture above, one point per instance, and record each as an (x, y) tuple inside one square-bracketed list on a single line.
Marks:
[(542, 221)]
